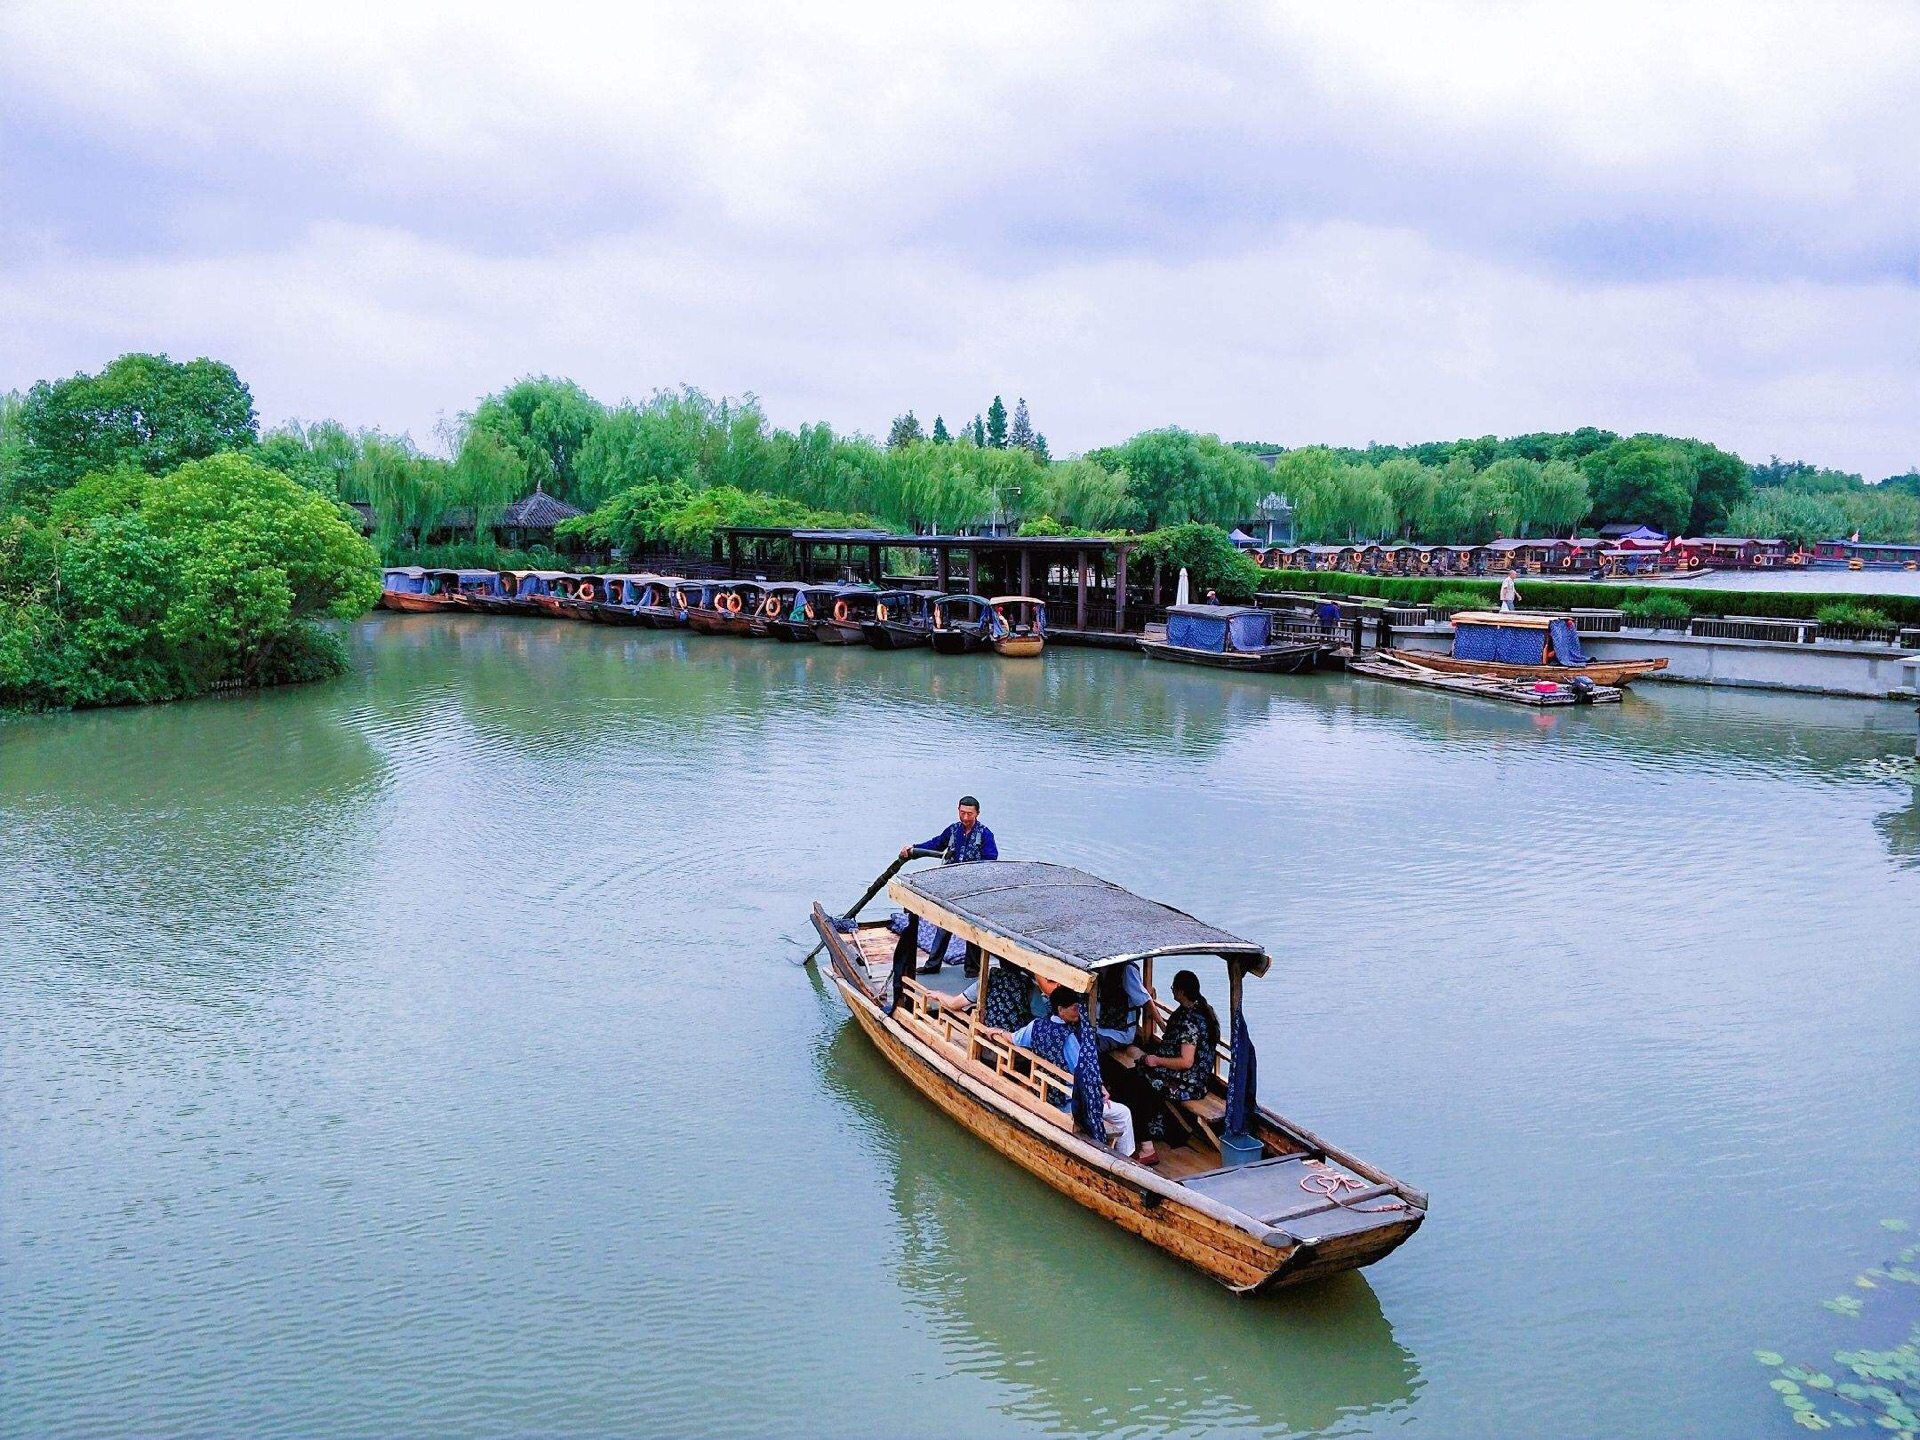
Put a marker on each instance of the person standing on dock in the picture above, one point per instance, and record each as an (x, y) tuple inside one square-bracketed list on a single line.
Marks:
[(1509, 592), (961, 842)]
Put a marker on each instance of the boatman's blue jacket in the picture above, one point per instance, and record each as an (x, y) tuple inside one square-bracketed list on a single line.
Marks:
[(957, 845)]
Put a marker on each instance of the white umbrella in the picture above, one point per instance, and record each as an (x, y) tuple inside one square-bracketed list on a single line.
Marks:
[(1180, 592)]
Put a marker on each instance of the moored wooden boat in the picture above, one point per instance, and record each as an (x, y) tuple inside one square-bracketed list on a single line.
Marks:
[(1516, 646), (901, 619), (407, 587), (622, 605), (1401, 668), (959, 625), (1019, 626), (1234, 637), (574, 596), (1293, 1208), (728, 609), (659, 602), (784, 614), (846, 611)]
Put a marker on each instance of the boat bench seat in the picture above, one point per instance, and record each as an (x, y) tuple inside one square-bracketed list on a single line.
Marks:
[(1209, 1112)]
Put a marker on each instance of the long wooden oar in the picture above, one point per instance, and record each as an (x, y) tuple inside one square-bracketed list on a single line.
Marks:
[(873, 890)]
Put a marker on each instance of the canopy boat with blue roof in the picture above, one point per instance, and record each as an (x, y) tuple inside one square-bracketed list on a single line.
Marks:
[(959, 624), (1254, 1200), (902, 619), (409, 587), (1234, 637), (728, 609), (1513, 645), (840, 615)]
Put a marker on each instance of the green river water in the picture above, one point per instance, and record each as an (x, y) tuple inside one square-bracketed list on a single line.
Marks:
[(422, 1053)]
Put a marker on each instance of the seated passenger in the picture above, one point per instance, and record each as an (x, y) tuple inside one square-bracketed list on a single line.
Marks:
[(1056, 1040), (1120, 1001), (1010, 992), (1178, 1067)]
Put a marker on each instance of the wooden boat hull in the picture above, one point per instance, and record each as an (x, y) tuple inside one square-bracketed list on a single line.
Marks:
[(609, 614), (956, 642), (1480, 687), (885, 635), (792, 632), (1600, 672), (838, 632), (421, 604), (1020, 647), (720, 622), (663, 617), (1281, 659), (494, 605), (1241, 1255)]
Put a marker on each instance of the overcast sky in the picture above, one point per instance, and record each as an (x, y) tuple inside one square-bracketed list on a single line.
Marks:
[(1306, 223)]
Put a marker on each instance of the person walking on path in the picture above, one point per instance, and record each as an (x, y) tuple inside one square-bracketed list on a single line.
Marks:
[(1509, 592)]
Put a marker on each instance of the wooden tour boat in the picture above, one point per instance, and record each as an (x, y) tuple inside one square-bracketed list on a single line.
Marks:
[(793, 618), (960, 624), (657, 602), (840, 618), (901, 619), (523, 590), (1019, 626), (729, 609), (409, 587), (775, 616), (622, 603), (1263, 1202), (1510, 645), (575, 596), (1398, 667), (1234, 637)]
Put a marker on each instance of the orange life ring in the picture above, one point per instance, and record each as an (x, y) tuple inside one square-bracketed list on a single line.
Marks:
[(1693, 562), (772, 608), (730, 603), (840, 610), (1566, 562), (880, 611)]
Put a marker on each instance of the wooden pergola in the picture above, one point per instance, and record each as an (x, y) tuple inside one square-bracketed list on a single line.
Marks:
[(960, 555)]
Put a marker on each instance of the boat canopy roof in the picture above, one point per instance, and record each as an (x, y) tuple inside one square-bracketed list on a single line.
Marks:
[(404, 570), (1222, 612), (1508, 619), (1013, 600), (975, 603), (470, 574), (1060, 923)]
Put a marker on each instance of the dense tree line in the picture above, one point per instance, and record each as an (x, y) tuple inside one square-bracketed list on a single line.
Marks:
[(153, 542)]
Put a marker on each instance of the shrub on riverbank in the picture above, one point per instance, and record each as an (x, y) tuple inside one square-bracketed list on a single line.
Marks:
[(1856, 614), (138, 587), (1658, 610), (1567, 595)]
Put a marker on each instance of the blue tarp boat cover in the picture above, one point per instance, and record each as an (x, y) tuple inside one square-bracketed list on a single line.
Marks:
[(1504, 644), (1218, 629), (1566, 644), (1518, 644)]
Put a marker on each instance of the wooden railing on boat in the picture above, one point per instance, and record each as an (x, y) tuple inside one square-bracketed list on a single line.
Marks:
[(1020, 1075)]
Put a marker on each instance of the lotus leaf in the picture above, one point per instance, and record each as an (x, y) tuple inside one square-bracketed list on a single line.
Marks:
[(1785, 1387), (1769, 1357), (1895, 1224)]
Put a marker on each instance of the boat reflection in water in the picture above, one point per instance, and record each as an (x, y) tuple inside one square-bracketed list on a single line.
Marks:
[(1027, 1289)]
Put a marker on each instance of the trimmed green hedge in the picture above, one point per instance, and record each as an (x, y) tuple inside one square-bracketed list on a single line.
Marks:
[(1560, 594)]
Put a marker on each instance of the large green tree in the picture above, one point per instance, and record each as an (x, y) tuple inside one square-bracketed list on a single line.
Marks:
[(1720, 485), (1175, 475), (1647, 480), (144, 411), (549, 421), (139, 587)]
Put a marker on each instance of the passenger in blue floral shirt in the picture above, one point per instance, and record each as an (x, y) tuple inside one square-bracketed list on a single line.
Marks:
[(961, 842)]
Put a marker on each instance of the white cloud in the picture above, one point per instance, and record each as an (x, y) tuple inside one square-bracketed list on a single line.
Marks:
[(1304, 221)]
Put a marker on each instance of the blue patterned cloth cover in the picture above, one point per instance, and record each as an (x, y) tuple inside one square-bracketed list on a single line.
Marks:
[(1048, 1040), (1197, 632), (1506, 644), (1566, 644), (1242, 1078), (1251, 632)]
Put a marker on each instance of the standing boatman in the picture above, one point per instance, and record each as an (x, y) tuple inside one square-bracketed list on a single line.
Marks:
[(963, 841)]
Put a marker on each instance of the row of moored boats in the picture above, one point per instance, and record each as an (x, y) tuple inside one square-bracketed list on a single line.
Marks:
[(1013, 625)]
